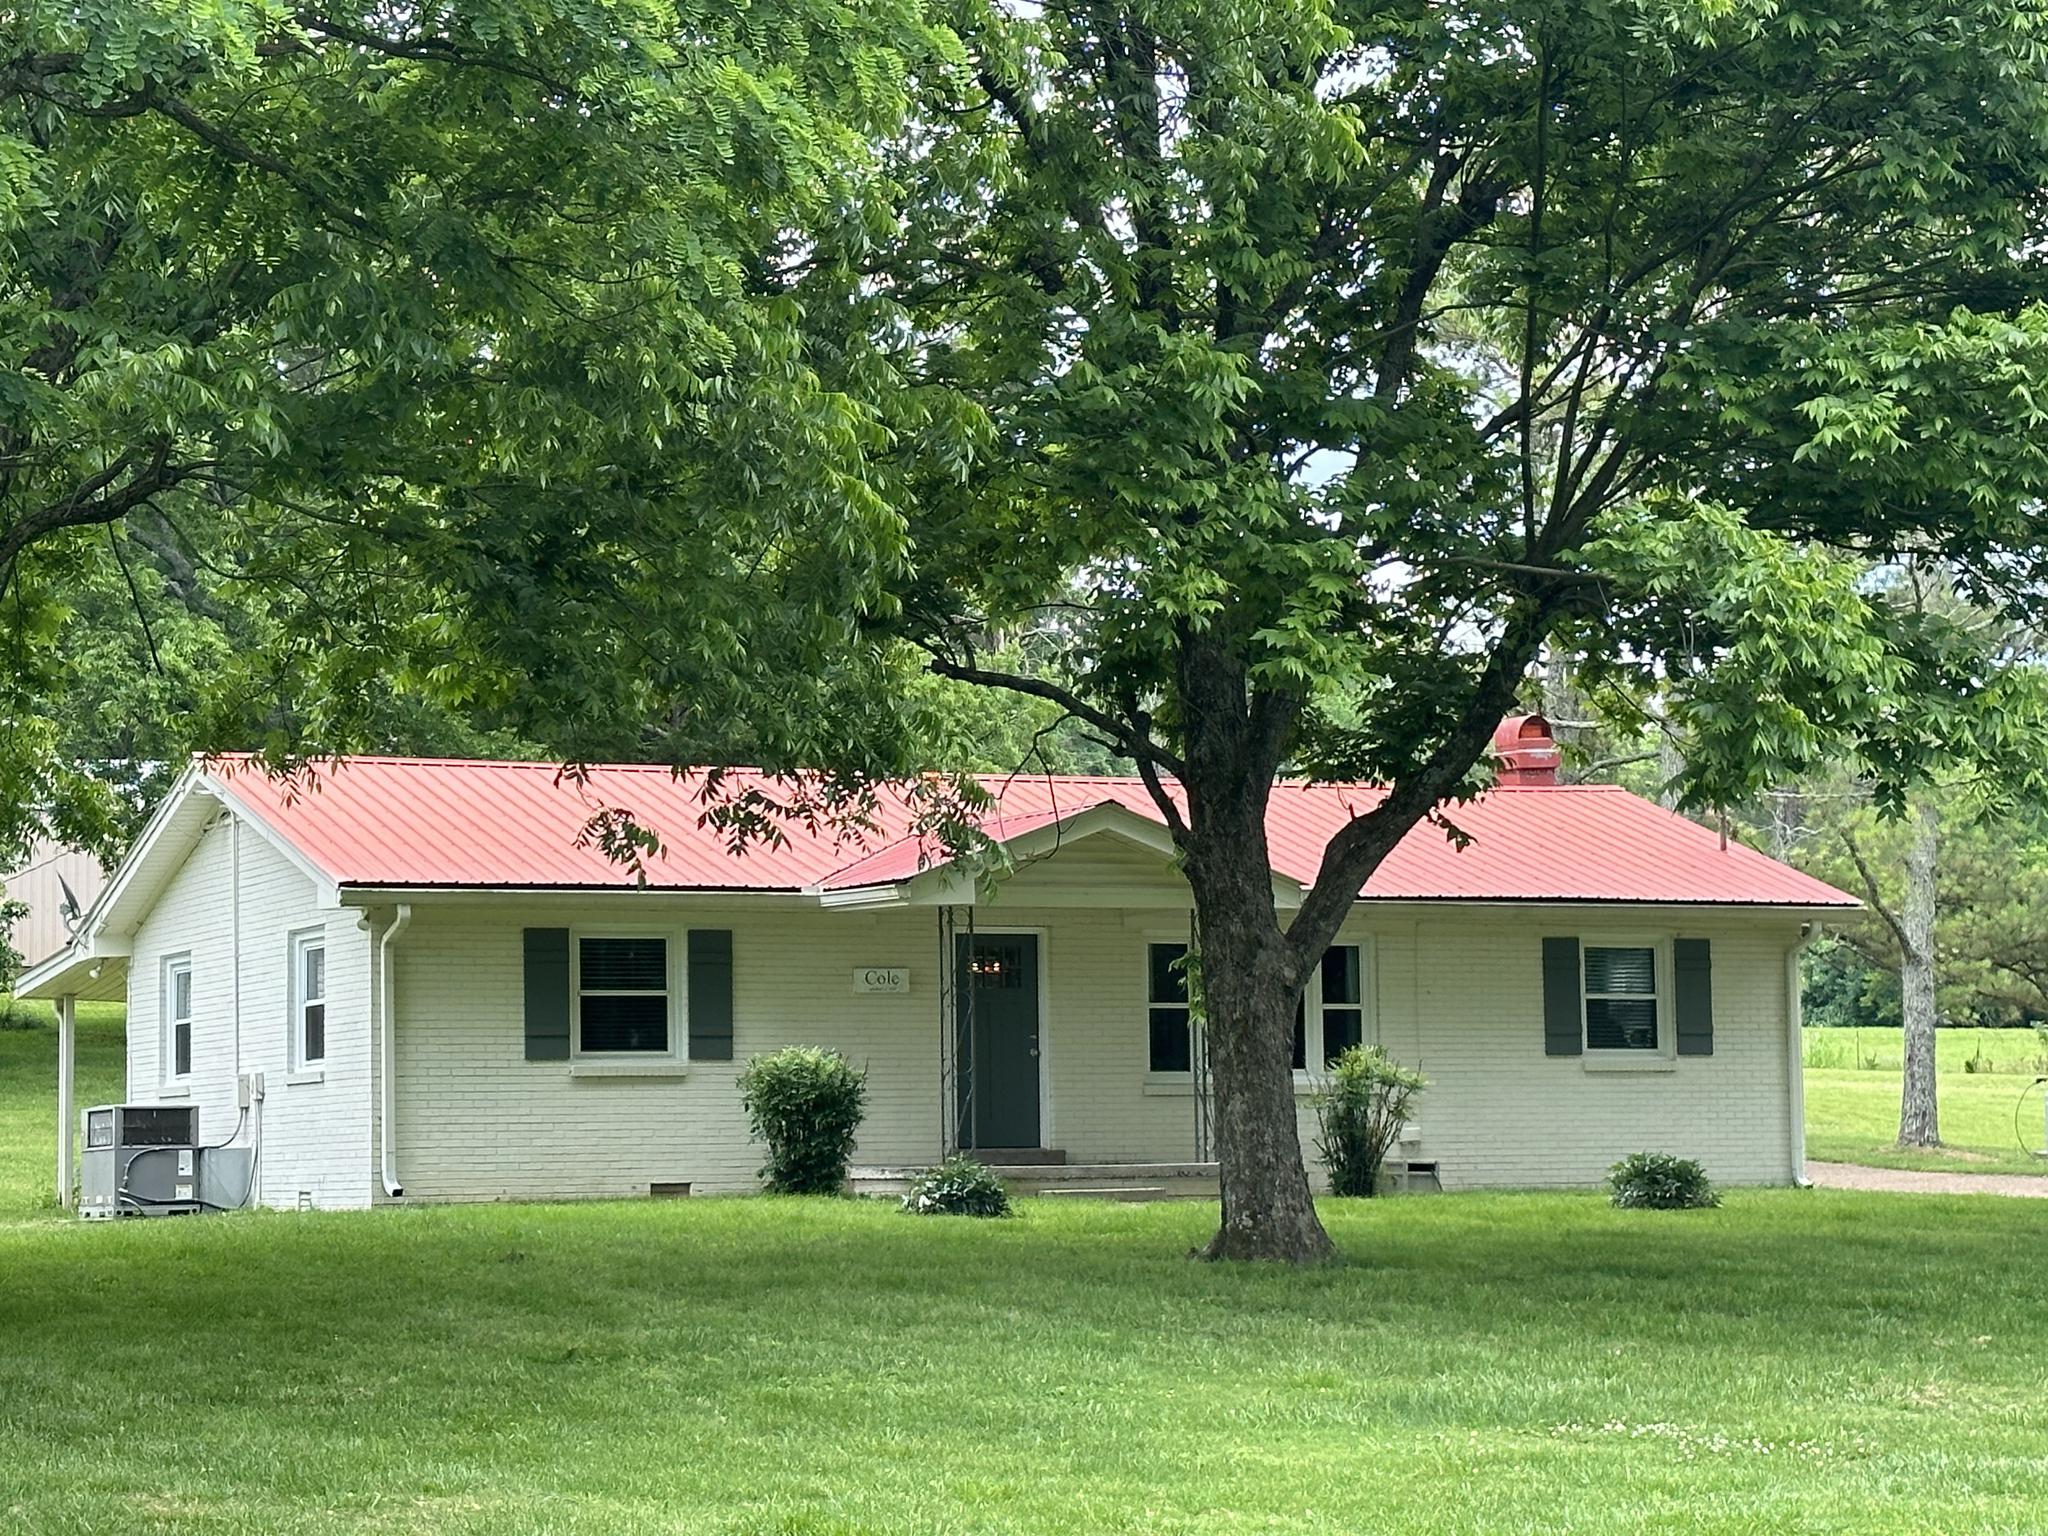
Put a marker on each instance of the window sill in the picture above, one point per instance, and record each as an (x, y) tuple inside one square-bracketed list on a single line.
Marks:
[(1181, 1085), (308, 1075), (598, 1069), (175, 1091), (1647, 1062)]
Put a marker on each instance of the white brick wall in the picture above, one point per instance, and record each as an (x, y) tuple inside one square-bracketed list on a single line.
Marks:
[(315, 1129), (476, 1120), (1456, 991), (1460, 996)]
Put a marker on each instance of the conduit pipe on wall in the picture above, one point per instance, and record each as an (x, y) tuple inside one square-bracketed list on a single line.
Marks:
[(387, 1071)]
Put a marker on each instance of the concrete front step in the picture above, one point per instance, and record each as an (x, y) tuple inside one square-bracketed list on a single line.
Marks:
[(1020, 1157), (1094, 1181), (1130, 1192)]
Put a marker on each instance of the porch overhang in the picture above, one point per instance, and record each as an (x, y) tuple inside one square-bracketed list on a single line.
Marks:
[(913, 876), (94, 972)]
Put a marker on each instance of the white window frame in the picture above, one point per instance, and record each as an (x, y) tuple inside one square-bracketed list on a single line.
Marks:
[(168, 1021), (1314, 1054), (674, 971), (1312, 1069), (296, 949), (1666, 1050), (1146, 1003)]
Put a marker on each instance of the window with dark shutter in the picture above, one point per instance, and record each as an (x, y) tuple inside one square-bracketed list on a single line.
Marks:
[(1621, 998), (1564, 1021), (621, 995), (1692, 975), (710, 998), (547, 994), (1166, 1000)]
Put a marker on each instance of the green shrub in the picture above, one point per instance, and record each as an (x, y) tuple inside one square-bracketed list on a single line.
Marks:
[(806, 1104), (1657, 1181), (1360, 1108), (957, 1187)]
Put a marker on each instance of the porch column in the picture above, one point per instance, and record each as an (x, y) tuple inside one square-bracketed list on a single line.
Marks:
[(67, 1093)]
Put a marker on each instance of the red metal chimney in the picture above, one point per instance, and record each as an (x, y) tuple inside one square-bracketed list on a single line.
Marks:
[(1527, 753)]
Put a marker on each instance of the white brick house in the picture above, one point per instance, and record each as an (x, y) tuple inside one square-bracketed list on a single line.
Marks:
[(430, 986)]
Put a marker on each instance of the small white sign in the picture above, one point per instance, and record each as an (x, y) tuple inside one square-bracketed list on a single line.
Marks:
[(881, 978)]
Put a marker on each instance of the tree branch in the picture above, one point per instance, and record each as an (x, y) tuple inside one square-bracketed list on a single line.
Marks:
[(1139, 744), (95, 499), (1877, 901), (1362, 843)]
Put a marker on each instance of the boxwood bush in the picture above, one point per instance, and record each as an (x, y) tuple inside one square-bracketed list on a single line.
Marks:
[(957, 1187), (806, 1104), (1657, 1181)]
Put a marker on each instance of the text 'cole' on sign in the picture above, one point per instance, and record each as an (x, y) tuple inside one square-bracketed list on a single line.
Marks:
[(881, 978)]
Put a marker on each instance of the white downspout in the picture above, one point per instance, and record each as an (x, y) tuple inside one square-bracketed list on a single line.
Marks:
[(387, 1079), (235, 931), (1795, 1058)]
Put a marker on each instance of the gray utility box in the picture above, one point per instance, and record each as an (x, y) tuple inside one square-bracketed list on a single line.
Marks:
[(145, 1160)]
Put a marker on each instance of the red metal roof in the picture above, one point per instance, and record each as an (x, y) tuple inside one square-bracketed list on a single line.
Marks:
[(422, 822)]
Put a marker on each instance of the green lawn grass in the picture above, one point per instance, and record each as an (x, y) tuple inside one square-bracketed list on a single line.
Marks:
[(1811, 1362), (28, 1095), (1790, 1362), (1852, 1113), (1795, 1361), (2016, 1051)]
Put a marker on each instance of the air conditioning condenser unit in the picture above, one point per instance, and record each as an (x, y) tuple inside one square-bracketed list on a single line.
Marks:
[(146, 1160)]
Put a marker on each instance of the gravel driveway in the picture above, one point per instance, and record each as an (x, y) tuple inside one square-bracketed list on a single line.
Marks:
[(1904, 1181)]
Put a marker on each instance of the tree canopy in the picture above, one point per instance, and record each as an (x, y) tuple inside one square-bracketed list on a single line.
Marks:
[(1285, 379), (1326, 366), (365, 300)]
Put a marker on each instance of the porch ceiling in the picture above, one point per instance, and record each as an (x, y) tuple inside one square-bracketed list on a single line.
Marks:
[(75, 973)]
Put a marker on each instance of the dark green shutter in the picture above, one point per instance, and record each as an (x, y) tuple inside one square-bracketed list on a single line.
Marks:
[(710, 999), (1692, 966), (547, 994), (1563, 1023)]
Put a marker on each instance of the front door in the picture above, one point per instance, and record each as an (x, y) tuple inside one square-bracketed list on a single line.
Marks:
[(996, 1036)]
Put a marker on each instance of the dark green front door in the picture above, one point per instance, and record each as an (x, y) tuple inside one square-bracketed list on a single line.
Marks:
[(997, 1039)]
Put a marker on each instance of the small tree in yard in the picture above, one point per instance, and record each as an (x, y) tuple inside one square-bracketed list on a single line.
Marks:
[(1360, 1109), (1951, 873), (806, 1104)]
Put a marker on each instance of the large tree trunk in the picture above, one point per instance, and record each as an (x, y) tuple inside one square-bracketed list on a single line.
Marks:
[(1248, 1000), (1919, 1117), (1250, 973)]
